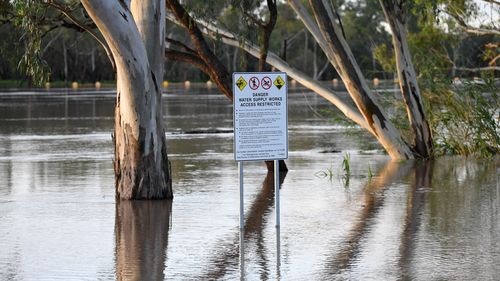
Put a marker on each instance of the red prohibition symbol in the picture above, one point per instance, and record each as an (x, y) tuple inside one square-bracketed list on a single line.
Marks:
[(266, 83), (254, 83)]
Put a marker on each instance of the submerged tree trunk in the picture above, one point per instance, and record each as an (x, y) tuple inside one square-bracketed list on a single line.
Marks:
[(135, 35), (407, 76)]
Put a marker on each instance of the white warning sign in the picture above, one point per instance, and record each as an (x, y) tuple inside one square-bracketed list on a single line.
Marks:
[(260, 116)]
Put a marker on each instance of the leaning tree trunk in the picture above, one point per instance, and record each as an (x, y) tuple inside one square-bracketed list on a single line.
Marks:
[(407, 76), (339, 54), (135, 35)]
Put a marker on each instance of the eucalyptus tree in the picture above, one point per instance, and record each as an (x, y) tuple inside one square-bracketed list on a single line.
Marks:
[(395, 15), (326, 30), (134, 39), (135, 33)]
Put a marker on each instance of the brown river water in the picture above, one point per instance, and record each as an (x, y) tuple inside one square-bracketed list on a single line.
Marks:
[(59, 220)]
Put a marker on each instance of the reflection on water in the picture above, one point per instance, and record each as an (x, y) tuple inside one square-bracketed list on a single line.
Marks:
[(414, 207), (373, 201), (141, 230), (413, 220), (252, 238)]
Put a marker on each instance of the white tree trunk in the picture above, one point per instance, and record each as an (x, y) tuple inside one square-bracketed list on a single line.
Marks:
[(135, 35), (339, 54), (408, 79)]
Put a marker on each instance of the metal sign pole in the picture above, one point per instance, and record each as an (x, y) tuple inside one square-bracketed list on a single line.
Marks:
[(242, 215), (277, 191), (242, 223)]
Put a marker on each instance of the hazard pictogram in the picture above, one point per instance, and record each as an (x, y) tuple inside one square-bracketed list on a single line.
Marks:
[(241, 83), (254, 83), (266, 83), (279, 82)]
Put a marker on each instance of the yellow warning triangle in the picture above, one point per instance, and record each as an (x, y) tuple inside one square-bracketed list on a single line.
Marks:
[(279, 82), (241, 83)]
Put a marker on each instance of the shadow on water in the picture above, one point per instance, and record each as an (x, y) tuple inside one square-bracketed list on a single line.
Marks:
[(141, 233), (255, 220)]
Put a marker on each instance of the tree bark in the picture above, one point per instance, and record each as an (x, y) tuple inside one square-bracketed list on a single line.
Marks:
[(407, 77), (341, 57), (135, 35)]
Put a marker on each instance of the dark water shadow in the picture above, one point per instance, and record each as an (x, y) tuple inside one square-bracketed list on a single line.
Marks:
[(141, 233), (373, 200), (255, 220)]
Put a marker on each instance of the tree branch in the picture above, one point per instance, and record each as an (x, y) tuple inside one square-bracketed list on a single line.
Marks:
[(189, 58), (470, 29), (230, 39), (180, 44), (218, 71), (479, 69), (492, 1), (68, 14)]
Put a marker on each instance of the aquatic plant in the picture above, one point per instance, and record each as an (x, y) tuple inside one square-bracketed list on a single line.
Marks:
[(370, 173), (346, 168)]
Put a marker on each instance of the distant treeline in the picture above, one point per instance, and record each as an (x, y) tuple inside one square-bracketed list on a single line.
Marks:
[(73, 55)]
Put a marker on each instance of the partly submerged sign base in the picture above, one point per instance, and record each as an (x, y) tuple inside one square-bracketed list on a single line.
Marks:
[(260, 118)]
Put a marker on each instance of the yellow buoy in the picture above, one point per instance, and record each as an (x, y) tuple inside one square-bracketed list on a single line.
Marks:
[(165, 84), (209, 84), (47, 85), (74, 85), (98, 85), (187, 83)]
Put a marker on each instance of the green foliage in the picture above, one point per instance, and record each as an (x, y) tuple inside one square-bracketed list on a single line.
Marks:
[(370, 173), (465, 119), (431, 48), (362, 24), (385, 57), (29, 14)]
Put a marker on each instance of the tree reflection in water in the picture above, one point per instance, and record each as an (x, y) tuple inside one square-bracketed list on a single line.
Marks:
[(141, 233), (373, 200)]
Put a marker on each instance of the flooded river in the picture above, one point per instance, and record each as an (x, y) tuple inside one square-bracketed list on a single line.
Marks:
[(59, 219)]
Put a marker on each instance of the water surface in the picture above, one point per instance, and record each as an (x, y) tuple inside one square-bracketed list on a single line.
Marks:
[(59, 220)]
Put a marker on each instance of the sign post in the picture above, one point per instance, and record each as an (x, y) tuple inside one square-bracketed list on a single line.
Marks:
[(260, 118)]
